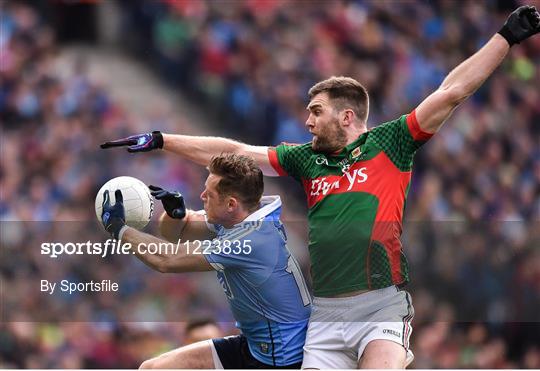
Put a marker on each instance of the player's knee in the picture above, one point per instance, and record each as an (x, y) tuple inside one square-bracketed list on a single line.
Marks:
[(383, 354)]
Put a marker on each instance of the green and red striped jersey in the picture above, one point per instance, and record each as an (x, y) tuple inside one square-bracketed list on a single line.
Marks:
[(356, 200)]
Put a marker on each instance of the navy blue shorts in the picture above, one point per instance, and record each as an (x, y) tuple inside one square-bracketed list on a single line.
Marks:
[(233, 352)]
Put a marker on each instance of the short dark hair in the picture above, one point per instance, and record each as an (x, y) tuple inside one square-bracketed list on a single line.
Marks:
[(345, 92), (240, 176)]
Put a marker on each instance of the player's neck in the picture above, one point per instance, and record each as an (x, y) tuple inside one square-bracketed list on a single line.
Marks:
[(238, 217), (351, 135), (354, 132)]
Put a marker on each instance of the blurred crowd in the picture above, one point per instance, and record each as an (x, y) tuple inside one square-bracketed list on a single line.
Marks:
[(50, 170), (472, 234)]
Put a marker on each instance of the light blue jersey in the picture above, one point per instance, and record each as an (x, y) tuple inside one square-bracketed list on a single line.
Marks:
[(264, 285)]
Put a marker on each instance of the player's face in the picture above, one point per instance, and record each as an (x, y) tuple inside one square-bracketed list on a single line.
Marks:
[(323, 123), (215, 205)]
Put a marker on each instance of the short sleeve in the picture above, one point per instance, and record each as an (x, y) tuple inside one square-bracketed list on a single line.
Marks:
[(232, 251), (290, 159), (400, 139), (253, 252)]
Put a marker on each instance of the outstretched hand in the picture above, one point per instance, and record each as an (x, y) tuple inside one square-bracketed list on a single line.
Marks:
[(138, 143), (521, 24)]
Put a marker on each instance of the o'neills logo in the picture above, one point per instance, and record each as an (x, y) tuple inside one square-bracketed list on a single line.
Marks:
[(323, 186), (391, 332)]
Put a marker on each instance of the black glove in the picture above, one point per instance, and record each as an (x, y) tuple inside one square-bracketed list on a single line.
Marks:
[(173, 202), (521, 24), (138, 143), (113, 217)]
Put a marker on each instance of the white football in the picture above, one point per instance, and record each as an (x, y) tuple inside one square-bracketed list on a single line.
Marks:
[(138, 202)]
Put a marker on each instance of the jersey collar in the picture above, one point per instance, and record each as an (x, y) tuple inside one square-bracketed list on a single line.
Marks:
[(269, 204), (357, 142), (349, 154)]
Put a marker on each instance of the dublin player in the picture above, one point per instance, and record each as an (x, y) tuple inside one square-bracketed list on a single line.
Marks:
[(263, 284), (356, 181)]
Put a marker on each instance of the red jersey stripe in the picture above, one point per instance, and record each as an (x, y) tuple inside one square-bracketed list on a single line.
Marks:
[(414, 128), (274, 161)]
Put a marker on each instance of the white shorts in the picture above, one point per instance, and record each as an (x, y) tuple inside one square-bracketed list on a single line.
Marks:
[(340, 328)]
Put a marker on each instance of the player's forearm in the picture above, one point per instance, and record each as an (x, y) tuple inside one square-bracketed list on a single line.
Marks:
[(140, 241), (165, 257), (462, 82), (171, 229), (467, 77), (200, 149)]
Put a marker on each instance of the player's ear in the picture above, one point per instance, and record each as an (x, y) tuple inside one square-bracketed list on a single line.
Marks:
[(232, 203), (347, 117)]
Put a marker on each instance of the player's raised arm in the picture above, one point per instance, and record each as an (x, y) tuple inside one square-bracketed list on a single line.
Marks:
[(467, 77), (198, 149)]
